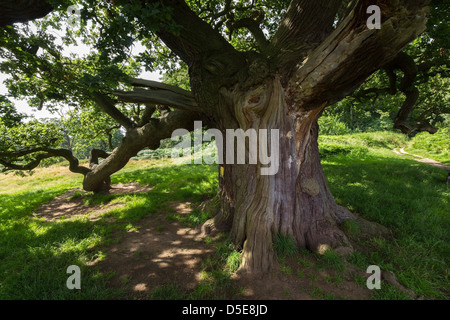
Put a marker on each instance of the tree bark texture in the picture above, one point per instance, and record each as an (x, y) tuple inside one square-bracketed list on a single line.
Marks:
[(295, 201), (12, 11)]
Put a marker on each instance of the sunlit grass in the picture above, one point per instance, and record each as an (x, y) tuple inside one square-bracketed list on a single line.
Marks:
[(410, 198)]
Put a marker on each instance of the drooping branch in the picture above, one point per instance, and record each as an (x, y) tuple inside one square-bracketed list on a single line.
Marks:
[(12, 11), (407, 86), (407, 65), (107, 105), (135, 140), (48, 153), (158, 97)]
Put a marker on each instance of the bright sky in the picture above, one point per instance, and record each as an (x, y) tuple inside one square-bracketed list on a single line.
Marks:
[(23, 107)]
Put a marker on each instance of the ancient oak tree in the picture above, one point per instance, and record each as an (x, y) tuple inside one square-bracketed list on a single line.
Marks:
[(272, 65)]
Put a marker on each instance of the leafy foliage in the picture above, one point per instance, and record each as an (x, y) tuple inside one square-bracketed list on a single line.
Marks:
[(26, 135)]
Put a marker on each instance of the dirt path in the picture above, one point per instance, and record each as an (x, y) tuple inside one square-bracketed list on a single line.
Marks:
[(421, 159), (71, 205)]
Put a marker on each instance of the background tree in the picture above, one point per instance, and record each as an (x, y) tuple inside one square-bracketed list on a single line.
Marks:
[(252, 64)]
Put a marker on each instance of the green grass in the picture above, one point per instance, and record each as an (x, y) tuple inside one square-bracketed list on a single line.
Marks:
[(410, 198), (217, 271), (195, 218), (170, 291), (284, 246), (330, 259), (35, 253)]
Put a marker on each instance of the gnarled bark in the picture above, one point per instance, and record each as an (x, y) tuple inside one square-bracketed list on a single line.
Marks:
[(307, 66), (296, 201)]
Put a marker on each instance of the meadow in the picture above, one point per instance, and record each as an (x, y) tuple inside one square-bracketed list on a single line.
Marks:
[(364, 174)]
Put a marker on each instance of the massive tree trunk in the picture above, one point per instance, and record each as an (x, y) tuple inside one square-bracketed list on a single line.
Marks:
[(293, 198)]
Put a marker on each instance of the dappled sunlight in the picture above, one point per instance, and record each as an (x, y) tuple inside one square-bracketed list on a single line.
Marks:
[(76, 203), (159, 252), (143, 240)]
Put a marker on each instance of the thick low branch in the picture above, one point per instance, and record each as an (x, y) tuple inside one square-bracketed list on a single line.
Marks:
[(163, 97), (25, 167), (136, 82), (107, 105), (12, 11), (135, 140), (22, 152)]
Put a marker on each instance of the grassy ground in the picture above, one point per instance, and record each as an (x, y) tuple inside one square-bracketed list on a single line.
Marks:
[(410, 198)]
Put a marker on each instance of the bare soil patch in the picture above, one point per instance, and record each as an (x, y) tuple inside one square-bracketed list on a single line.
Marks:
[(71, 204), (162, 252)]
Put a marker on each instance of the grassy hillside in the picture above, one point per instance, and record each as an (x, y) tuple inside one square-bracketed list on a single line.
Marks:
[(410, 198)]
